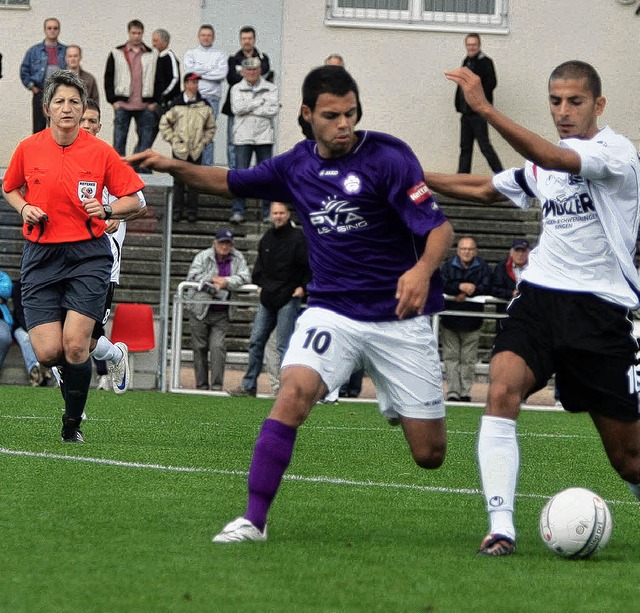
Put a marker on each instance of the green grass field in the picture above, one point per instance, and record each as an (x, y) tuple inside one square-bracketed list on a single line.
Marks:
[(124, 522)]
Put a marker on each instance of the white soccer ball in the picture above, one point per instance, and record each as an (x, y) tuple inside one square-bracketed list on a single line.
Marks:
[(575, 523)]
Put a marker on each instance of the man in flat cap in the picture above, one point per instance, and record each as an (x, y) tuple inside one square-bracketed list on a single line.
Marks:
[(219, 270)]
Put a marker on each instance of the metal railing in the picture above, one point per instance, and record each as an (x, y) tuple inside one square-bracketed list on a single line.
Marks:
[(180, 300)]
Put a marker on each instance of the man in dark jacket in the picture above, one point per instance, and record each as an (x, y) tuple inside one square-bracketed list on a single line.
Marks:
[(282, 273), (472, 126), (247, 49), (464, 276), (507, 273)]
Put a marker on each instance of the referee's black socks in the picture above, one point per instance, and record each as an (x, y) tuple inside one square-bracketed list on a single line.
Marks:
[(77, 381)]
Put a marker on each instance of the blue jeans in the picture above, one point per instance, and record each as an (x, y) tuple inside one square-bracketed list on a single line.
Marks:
[(284, 320), (231, 148), (208, 153), (145, 126), (243, 160), (5, 340), (28, 355)]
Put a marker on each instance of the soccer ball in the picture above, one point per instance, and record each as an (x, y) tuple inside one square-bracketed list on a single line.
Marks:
[(575, 523)]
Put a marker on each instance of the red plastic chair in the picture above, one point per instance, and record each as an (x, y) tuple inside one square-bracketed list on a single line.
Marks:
[(133, 326)]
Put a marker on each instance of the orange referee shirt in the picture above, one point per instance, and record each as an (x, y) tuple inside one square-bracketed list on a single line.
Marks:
[(59, 179)]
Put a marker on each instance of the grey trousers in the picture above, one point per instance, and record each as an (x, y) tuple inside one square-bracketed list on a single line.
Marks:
[(207, 336), (460, 355)]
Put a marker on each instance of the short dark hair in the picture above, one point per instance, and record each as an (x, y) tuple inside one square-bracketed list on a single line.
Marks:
[(135, 23), (93, 106), (206, 26), (245, 29), (328, 80), (473, 35), (575, 69), (63, 77)]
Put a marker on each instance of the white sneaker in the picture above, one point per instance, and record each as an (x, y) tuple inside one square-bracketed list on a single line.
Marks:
[(103, 383), (120, 371), (240, 529)]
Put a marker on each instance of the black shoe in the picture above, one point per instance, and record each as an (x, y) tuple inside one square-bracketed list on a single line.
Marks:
[(71, 432), (465, 398), (453, 397)]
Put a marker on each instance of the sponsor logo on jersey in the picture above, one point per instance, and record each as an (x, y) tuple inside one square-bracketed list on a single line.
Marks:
[(575, 204), (419, 193), (337, 216), (329, 173), (87, 190), (575, 180)]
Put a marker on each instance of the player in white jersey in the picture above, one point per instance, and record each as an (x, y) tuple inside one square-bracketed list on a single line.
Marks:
[(572, 315), (116, 355)]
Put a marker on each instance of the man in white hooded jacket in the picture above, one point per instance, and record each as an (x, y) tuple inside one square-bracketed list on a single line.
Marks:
[(254, 102)]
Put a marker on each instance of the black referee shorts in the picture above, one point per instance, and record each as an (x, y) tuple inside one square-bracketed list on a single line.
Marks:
[(65, 277), (588, 343)]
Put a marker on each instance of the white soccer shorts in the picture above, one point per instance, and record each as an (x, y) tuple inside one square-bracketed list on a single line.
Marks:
[(401, 357)]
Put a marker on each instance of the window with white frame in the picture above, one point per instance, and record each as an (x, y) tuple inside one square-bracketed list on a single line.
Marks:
[(15, 3), (447, 15)]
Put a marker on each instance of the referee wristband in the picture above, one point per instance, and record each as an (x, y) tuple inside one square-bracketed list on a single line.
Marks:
[(22, 209)]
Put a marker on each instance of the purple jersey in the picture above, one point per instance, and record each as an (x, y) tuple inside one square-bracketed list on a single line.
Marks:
[(365, 215)]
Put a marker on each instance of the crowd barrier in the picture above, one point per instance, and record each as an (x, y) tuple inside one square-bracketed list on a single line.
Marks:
[(180, 300)]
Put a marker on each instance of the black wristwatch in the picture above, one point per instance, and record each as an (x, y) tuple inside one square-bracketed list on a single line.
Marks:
[(108, 211)]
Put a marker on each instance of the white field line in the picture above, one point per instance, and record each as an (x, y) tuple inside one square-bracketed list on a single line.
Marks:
[(240, 473), (383, 428)]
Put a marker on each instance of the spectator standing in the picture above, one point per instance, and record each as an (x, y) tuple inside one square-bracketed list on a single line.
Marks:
[(219, 270), (254, 102), (188, 126), (40, 62), (282, 273), (54, 180), (508, 272), (167, 70), (73, 57), (473, 127), (234, 75), (211, 64), (129, 84), (464, 276)]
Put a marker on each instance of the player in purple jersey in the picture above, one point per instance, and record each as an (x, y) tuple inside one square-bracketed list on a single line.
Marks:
[(571, 316), (376, 239)]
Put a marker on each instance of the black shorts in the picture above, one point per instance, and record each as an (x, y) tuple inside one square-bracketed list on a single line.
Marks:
[(98, 329), (588, 343), (65, 277)]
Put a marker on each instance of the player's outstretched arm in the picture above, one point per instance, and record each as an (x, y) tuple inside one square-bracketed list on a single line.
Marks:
[(527, 143), (209, 179), (413, 285), (478, 188)]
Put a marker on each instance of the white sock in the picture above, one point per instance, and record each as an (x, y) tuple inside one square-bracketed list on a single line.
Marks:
[(635, 489), (106, 350), (499, 461)]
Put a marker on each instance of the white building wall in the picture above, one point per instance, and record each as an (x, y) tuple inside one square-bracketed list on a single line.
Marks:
[(404, 92), (400, 72)]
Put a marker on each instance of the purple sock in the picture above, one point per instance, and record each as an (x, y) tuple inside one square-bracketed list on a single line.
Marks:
[(271, 456)]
